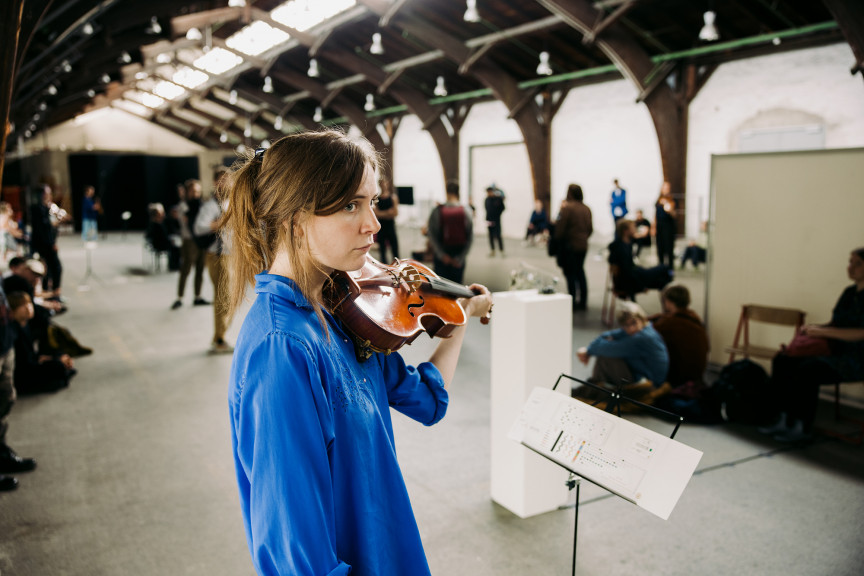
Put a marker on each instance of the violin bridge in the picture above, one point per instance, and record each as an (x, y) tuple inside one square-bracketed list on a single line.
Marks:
[(411, 277)]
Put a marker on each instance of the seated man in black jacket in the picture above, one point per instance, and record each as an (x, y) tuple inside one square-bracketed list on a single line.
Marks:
[(35, 372), (628, 278)]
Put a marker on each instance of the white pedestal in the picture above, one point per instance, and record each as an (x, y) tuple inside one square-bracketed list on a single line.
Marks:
[(532, 337)]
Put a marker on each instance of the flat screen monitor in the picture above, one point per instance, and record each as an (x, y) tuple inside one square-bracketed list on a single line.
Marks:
[(405, 194)]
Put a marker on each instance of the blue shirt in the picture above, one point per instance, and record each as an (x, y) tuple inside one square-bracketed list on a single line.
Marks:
[(645, 352), (320, 487)]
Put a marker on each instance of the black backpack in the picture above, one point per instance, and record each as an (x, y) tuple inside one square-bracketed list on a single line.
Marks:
[(742, 393)]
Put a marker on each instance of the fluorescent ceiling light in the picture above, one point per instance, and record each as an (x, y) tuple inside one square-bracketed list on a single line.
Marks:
[(218, 61), (256, 38), (304, 14), (168, 90), (189, 77)]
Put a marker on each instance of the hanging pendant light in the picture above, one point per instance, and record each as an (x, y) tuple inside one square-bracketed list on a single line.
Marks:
[(232, 97), (277, 123), (543, 68), (223, 137), (377, 47), (471, 14), (194, 34), (318, 116), (709, 30), (268, 85), (313, 71), (369, 106), (440, 89)]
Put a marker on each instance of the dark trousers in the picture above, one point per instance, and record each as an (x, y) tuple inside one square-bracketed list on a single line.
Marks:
[(795, 382), (574, 271), (666, 244), (696, 254), (387, 236), (448, 271), (53, 268), (495, 234)]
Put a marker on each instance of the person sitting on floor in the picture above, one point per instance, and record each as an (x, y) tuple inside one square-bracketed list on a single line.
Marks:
[(51, 336), (35, 373), (628, 278), (685, 337), (632, 354)]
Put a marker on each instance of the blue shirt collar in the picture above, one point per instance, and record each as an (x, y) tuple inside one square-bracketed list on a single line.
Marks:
[(282, 287)]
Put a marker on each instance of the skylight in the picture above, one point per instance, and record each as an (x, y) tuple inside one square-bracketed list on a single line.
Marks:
[(218, 61), (145, 98), (304, 14), (168, 90), (256, 38), (189, 78)]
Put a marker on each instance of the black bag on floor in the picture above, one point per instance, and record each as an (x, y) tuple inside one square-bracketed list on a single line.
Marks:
[(742, 393)]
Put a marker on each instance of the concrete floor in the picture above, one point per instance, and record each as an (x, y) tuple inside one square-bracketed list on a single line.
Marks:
[(135, 473)]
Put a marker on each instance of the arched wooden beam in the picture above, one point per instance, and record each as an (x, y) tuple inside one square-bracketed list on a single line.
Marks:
[(343, 106), (446, 144), (668, 112), (849, 15), (503, 86)]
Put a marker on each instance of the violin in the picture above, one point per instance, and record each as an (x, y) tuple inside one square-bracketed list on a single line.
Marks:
[(386, 307)]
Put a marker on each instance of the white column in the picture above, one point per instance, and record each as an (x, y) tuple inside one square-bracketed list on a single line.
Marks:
[(531, 346)]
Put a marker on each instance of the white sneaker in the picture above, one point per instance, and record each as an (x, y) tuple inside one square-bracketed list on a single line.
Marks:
[(221, 347)]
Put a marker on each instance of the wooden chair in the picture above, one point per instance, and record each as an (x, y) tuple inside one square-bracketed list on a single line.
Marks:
[(765, 315)]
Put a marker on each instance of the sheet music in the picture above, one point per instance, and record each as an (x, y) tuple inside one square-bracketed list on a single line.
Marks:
[(640, 465)]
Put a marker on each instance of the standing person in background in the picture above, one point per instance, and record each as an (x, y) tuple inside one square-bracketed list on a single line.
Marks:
[(45, 216), (618, 201), (572, 230), (494, 205), (664, 226), (185, 213), (89, 215), (386, 211), (206, 230), (450, 231)]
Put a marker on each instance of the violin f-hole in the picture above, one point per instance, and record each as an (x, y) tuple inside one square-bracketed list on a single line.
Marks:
[(420, 305)]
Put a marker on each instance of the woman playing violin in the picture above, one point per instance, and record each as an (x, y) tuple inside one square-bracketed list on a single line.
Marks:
[(320, 488)]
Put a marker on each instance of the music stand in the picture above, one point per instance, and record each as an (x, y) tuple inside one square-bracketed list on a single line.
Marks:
[(616, 397), (89, 247)]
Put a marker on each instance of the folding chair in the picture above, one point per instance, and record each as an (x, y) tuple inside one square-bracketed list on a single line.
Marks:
[(765, 315)]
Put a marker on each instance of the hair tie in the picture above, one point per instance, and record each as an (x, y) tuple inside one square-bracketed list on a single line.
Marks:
[(259, 154)]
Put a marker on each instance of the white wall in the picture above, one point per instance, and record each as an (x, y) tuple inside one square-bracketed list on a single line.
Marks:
[(111, 129), (789, 89)]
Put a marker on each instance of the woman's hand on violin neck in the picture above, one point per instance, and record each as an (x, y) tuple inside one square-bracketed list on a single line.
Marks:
[(479, 305)]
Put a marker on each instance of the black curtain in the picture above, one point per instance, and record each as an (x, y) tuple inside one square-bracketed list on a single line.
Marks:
[(128, 183)]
